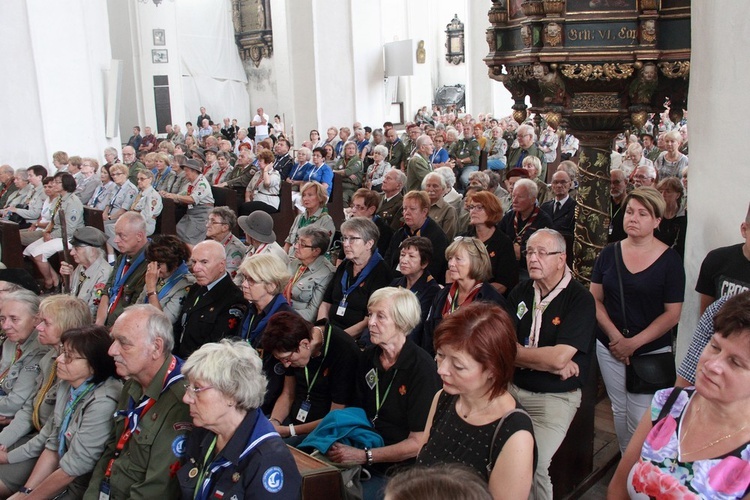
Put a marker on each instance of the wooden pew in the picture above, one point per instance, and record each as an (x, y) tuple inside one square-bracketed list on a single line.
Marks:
[(10, 239), (284, 218), (166, 223), (225, 197), (93, 217), (482, 160), (336, 203), (319, 479)]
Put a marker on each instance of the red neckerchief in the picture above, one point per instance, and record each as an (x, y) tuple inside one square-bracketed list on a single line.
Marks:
[(526, 225), (451, 302)]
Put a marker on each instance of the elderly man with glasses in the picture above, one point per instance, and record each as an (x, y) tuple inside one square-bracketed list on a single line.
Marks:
[(526, 147)]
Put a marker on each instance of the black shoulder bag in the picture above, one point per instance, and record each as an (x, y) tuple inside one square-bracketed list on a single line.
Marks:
[(646, 373)]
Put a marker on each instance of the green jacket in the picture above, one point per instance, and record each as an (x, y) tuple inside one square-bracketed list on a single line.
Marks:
[(147, 466), (416, 170), (466, 149)]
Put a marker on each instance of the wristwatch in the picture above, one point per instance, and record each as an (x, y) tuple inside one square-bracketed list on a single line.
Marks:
[(368, 455), (25, 490)]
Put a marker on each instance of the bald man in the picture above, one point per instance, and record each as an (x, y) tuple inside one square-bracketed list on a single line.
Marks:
[(214, 307)]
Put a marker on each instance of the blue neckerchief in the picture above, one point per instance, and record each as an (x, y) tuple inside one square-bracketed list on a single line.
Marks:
[(159, 178), (374, 260), (75, 396), (263, 430), (250, 336), (177, 275), (120, 282)]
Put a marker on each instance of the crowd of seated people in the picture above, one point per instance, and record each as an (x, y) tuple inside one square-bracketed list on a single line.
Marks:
[(227, 332)]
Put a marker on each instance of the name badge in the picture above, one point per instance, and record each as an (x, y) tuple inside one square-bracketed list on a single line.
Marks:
[(104, 490), (341, 310), (522, 309), (304, 409)]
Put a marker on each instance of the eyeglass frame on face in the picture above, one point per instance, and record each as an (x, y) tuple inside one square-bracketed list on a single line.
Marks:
[(114, 174), (350, 239), (68, 357), (287, 359), (479, 208), (197, 390), (299, 243), (541, 253)]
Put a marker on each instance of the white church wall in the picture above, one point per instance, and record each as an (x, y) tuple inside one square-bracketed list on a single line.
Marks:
[(62, 53)]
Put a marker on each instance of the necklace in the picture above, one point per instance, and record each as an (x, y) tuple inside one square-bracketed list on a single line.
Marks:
[(468, 414), (712, 443)]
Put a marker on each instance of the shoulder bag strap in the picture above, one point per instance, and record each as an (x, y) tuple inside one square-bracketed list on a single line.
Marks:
[(669, 403), (625, 330), (490, 462)]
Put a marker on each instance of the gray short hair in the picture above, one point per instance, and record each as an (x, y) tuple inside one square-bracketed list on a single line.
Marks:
[(364, 228), (226, 215), (266, 268), (404, 306), (319, 238), (232, 367), (530, 185), (380, 149), (400, 175), (447, 174), (22, 173), (649, 170), (158, 325), (25, 297), (110, 149), (557, 239), (434, 175), (306, 152), (135, 220)]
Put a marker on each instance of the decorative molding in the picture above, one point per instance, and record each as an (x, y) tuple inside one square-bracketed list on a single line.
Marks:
[(523, 73), (595, 101), (605, 72), (252, 26), (676, 69), (553, 34)]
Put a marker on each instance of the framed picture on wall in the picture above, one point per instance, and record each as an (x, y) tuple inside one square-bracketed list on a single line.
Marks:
[(159, 37), (159, 56)]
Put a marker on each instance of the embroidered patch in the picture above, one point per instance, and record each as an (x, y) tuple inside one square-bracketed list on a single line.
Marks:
[(178, 446), (522, 310), (556, 320), (182, 426), (279, 369), (237, 313), (371, 378), (402, 390), (273, 479)]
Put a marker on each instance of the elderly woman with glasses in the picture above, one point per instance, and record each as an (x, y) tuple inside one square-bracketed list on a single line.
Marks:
[(350, 170), (233, 451), (469, 272), (396, 382), (320, 362), (362, 272), (485, 212), (376, 172), (61, 457), (311, 272)]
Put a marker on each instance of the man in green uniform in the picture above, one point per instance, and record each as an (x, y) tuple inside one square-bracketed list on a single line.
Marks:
[(126, 282), (396, 155), (419, 164), (148, 439), (466, 153)]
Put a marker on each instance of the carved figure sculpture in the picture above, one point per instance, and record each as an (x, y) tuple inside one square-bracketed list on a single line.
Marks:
[(643, 87), (551, 85)]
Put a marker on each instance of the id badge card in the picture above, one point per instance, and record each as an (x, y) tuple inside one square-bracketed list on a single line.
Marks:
[(341, 310), (104, 490), (304, 409)]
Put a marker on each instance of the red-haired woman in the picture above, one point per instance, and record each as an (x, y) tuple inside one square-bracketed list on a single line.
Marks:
[(476, 351)]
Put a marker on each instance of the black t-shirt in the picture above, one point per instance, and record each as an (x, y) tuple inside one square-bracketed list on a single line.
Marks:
[(646, 292), (406, 391), (725, 271), (335, 380), (356, 302), (425, 289), (569, 319), (502, 257), (671, 232)]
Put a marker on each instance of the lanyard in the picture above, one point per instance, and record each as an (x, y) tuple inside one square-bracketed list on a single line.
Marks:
[(317, 372), (251, 335), (114, 198), (133, 415), (379, 404), (204, 468)]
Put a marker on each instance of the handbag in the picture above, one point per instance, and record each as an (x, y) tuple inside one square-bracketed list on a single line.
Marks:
[(646, 373)]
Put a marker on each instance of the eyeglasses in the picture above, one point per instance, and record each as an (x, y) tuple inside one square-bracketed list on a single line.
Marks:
[(216, 222), (195, 390), (142, 178), (302, 245), (539, 253), (116, 174), (350, 239), (359, 207), (475, 207), (69, 358), (287, 359), (468, 238)]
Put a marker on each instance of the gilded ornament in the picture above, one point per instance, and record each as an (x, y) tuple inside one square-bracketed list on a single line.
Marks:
[(551, 84), (552, 34), (648, 31), (648, 5), (642, 88), (638, 119), (676, 69), (519, 115), (554, 7), (553, 119), (532, 8), (606, 72), (595, 101)]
